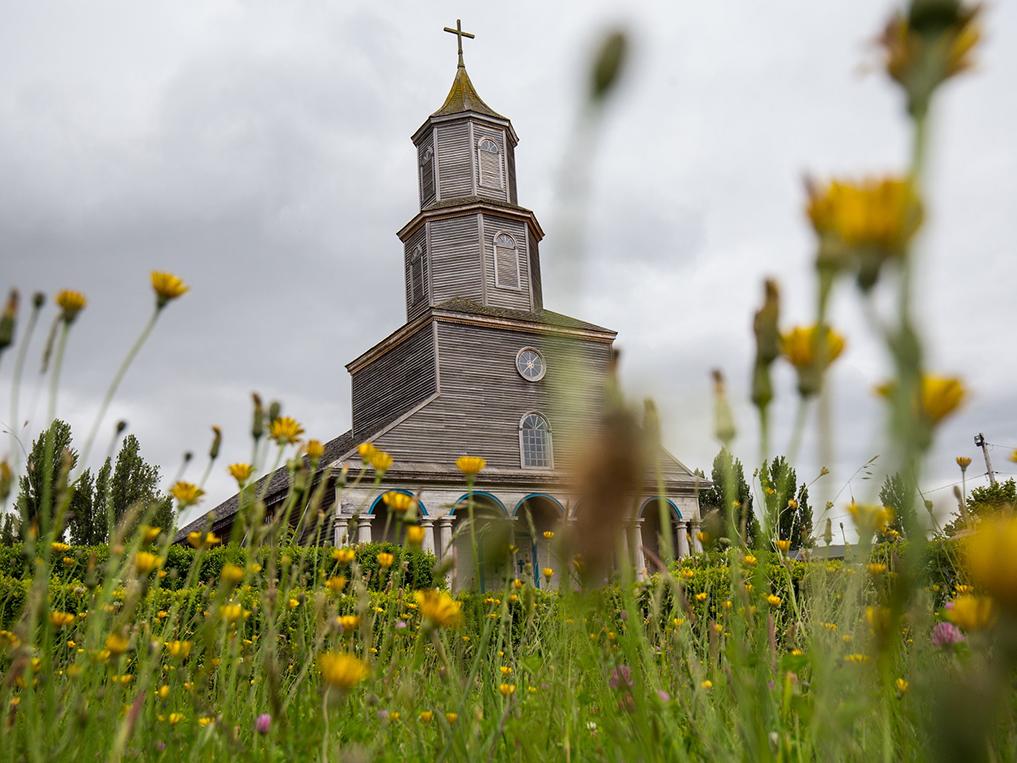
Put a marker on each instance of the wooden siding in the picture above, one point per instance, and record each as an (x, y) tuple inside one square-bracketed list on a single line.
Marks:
[(427, 189), (510, 163), (502, 296), (393, 384), (415, 307), (480, 132), (455, 161), (535, 282), (455, 259), (483, 398)]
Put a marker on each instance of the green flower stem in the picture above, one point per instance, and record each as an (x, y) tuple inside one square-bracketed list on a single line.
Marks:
[(19, 366), (115, 384)]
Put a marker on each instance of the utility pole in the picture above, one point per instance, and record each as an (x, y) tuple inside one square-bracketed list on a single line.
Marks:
[(981, 443)]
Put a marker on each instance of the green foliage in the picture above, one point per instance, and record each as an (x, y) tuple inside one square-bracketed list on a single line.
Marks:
[(10, 529), (134, 488), (899, 494), (41, 486), (985, 499), (787, 510), (717, 503)]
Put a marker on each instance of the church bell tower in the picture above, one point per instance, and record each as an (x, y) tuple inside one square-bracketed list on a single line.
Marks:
[(470, 241)]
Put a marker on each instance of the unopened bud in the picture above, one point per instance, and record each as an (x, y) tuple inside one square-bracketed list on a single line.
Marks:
[(274, 410), (608, 65), (213, 452), (258, 418)]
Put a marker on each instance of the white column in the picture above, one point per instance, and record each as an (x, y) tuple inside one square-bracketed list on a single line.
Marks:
[(364, 528), (695, 527), (340, 530), (636, 547), (444, 536), (428, 524), (683, 539)]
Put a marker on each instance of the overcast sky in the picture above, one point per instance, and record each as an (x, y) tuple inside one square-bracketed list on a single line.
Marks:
[(261, 151)]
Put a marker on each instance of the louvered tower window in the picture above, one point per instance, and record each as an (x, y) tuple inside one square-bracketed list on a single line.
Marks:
[(427, 174), (535, 448), (506, 262), (489, 162), (418, 274)]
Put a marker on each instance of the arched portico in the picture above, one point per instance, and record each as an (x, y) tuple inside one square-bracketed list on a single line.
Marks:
[(482, 535), (537, 514), (386, 524), (653, 533)]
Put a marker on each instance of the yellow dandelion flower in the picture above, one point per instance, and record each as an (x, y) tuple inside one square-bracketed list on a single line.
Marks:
[(70, 303), (774, 600), (548, 534), (971, 613), (341, 670), (471, 466), (415, 535), (783, 545), (707, 684), (117, 644), (336, 583), (175, 718), (145, 562), (963, 462), (231, 612), (902, 685), (548, 572), (59, 547), (399, 502), (749, 560), (385, 559), (285, 430), (186, 493), (348, 623), (438, 609), (163, 691), (938, 396), (876, 568), (167, 287), (701, 596), (180, 649), (811, 350), (880, 214), (198, 540), (293, 603), (870, 518), (506, 689), (314, 449), (426, 716), (366, 450), (344, 555), (451, 717), (240, 472), (990, 555), (232, 573), (61, 619), (517, 583), (380, 461)]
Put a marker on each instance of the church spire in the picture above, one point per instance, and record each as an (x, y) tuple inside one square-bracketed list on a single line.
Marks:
[(463, 97)]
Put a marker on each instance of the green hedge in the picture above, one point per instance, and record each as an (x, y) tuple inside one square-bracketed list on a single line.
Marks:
[(86, 564)]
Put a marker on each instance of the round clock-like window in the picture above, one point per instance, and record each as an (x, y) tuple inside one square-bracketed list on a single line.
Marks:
[(530, 364)]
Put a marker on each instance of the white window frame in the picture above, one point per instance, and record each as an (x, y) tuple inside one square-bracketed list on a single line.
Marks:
[(501, 165), (494, 254), (549, 441), (428, 152), (415, 258)]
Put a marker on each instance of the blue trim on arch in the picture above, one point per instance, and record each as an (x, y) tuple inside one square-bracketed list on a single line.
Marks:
[(420, 504), (674, 508), (478, 494), (527, 497)]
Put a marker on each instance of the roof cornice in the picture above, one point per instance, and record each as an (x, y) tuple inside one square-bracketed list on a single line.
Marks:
[(446, 118), (474, 205)]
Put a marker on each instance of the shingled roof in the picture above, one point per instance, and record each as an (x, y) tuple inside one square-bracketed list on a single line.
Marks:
[(546, 317), (463, 97), (278, 483)]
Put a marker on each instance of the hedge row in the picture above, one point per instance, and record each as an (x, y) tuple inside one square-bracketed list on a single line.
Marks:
[(87, 564)]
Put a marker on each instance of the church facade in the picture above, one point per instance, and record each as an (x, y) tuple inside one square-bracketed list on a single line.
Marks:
[(481, 367)]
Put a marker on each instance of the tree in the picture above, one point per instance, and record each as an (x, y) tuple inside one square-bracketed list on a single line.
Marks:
[(788, 513), (134, 488), (81, 519), (44, 481), (897, 494), (10, 529), (984, 500), (719, 502)]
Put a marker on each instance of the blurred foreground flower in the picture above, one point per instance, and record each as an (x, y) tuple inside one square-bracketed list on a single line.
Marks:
[(342, 670), (971, 613), (946, 634), (70, 303), (285, 430), (869, 518), (186, 493), (863, 224), (167, 287), (811, 350), (938, 396), (990, 555), (438, 609), (471, 466), (241, 472), (399, 502)]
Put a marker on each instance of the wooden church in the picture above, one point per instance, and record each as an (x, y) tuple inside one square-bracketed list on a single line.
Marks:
[(479, 367)]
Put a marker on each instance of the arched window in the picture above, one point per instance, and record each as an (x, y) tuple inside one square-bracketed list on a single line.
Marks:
[(489, 164), (426, 174), (506, 262), (418, 274), (535, 448)]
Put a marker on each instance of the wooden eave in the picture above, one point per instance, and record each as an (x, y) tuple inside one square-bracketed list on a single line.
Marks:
[(433, 121), (442, 315), (474, 205)]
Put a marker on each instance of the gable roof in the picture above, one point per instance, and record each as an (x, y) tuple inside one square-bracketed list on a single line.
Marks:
[(463, 97), (278, 482)]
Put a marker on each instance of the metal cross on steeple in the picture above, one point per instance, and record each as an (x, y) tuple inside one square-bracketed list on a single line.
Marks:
[(460, 34)]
